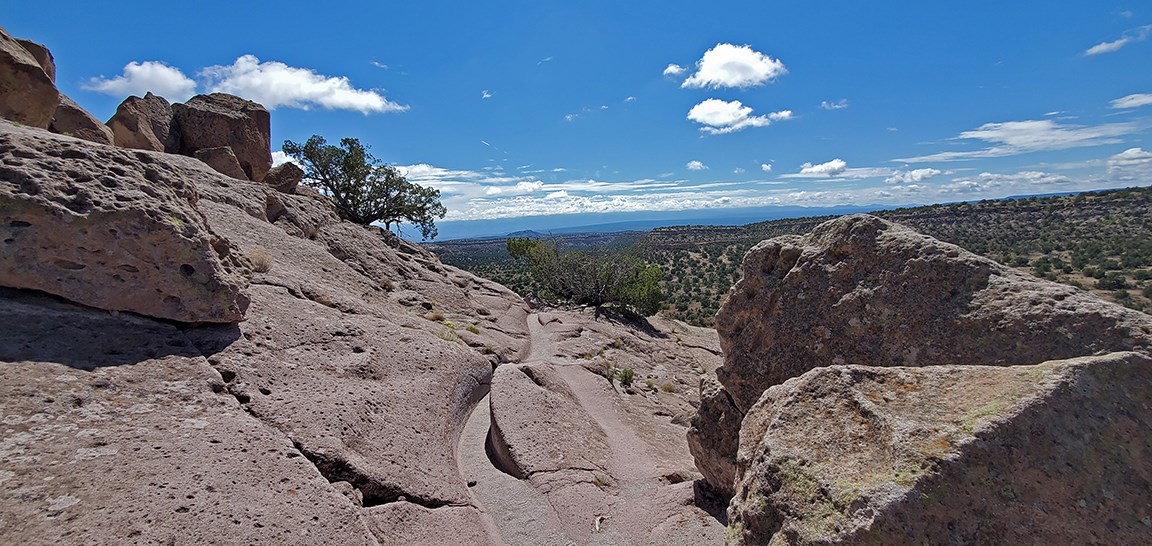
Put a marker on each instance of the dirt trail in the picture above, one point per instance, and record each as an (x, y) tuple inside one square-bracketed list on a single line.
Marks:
[(522, 514)]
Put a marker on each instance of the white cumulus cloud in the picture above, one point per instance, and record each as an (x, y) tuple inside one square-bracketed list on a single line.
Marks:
[(1134, 100), (139, 78), (695, 165), (674, 70), (721, 117), (766, 167), (728, 65), (831, 168), (913, 176), (1131, 165), (275, 84)]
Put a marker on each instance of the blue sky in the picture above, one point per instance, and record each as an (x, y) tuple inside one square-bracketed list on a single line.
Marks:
[(535, 108)]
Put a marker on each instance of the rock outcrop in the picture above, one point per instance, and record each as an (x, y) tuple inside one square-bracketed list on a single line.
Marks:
[(43, 57), (145, 124), (861, 290), (72, 120), (222, 160), (112, 229), (219, 119), (341, 395), (863, 362), (27, 94), (1055, 453), (285, 178)]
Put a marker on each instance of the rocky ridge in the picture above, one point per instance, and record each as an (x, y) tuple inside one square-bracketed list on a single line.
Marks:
[(197, 357)]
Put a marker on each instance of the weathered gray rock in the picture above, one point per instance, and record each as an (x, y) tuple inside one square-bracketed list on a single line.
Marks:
[(222, 160), (861, 290), (112, 229), (219, 119), (118, 431), (1055, 453), (710, 437), (27, 94), (72, 120), (145, 124), (42, 55), (284, 177)]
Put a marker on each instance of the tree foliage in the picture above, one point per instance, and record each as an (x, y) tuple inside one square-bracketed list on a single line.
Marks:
[(591, 279), (363, 189)]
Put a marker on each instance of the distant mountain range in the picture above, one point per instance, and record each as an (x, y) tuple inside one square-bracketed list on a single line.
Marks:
[(542, 226)]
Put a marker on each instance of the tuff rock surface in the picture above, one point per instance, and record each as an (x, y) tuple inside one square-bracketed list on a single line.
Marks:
[(219, 119), (145, 124), (861, 290), (72, 120), (27, 93), (284, 177), (113, 229), (1053, 453), (863, 363), (329, 416), (222, 160), (42, 55)]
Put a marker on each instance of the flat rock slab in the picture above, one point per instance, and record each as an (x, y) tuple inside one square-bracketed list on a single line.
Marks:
[(1054, 453), (113, 229), (115, 430)]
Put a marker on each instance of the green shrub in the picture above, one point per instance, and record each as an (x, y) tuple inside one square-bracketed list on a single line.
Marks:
[(626, 377)]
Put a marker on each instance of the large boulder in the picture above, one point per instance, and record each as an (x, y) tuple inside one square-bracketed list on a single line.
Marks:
[(42, 55), (1054, 453), (121, 229), (72, 120), (27, 94), (285, 178), (885, 301), (219, 119), (861, 290), (222, 160), (145, 124)]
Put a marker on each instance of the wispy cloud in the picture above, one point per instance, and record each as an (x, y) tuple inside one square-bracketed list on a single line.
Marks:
[(728, 65), (720, 117), (1134, 100), (1020, 137), (1138, 34), (139, 78), (485, 94), (379, 65), (547, 59)]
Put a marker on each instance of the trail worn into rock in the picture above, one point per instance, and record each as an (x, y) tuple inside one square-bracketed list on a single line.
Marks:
[(598, 464)]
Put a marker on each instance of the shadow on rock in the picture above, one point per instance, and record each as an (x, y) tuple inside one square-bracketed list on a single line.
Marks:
[(43, 328)]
